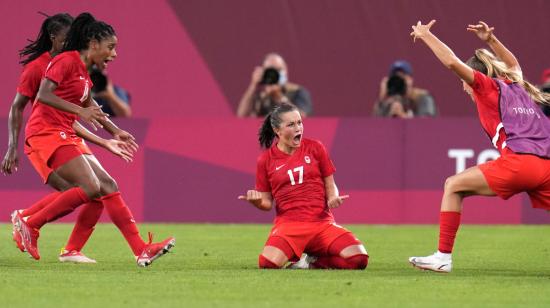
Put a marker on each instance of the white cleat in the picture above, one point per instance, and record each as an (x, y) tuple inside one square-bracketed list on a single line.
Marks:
[(303, 263), (438, 262), (75, 257)]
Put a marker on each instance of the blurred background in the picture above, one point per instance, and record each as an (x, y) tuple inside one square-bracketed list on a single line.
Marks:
[(186, 65)]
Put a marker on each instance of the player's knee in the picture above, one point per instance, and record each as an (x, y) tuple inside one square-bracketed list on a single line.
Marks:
[(108, 185), (92, 188), (358, 261), (265, 263), (451, 184)]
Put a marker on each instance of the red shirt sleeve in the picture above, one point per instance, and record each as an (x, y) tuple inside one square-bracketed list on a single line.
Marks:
[(262, 180), (485, 89), (29, 81), (325, 164), (59, 69)]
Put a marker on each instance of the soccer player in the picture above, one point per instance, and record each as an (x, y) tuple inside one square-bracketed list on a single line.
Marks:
[(508, 111), (64, 96), (38, 54), (296, 174)]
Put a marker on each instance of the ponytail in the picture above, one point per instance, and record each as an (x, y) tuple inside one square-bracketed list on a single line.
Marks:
[(266, 134), (488, 64), (52, 25), (84, 29)]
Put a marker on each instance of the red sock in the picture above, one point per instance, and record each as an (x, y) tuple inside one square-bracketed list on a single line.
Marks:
[(85, 225), (61, 206), (122, 217), (336, 262), (448, 226), (263, 262), (40, 204)]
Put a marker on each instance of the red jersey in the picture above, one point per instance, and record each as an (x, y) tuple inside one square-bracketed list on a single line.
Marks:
[(32, 74), (486, 95), (73, 85), (296, 181)]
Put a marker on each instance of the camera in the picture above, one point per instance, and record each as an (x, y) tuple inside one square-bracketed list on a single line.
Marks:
[(270, 76), (396, 85), (98, 79)]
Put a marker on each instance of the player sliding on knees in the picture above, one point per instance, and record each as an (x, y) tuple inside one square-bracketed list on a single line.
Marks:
[(509, 114), (297, 174)]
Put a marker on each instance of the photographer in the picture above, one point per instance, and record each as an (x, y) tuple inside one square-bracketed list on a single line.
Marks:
[(395, 103), (113, 100), (269, 87), (419, 101)]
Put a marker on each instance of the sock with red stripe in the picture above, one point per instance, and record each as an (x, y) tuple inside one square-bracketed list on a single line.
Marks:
[(122, 217), (448, 227), (85, 225), (40, 204), (64, 204)]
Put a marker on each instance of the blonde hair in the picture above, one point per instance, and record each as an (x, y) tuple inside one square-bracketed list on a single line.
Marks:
[(487, 63)]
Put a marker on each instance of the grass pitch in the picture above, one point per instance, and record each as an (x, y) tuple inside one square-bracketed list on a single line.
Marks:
[(215, 266)]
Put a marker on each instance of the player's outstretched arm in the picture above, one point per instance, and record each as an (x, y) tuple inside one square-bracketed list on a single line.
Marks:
[(334, 199), (486, 34), (442, 51), (117, 147), (261, 200), (91, 114)]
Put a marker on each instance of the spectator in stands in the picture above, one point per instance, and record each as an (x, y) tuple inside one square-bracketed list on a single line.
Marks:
[(113, 99), (545, 87), (416, 102), (269, 87)]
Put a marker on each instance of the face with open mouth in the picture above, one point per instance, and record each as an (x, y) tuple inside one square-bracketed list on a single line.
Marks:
[(103, 52), (291, 131)]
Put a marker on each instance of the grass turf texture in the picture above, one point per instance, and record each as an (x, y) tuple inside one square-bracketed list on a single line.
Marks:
[(215, 265)]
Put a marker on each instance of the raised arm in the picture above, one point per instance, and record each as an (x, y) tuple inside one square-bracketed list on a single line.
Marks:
[(11, 159), (246, 103), (485, 33), (442, 51), (334, 199)]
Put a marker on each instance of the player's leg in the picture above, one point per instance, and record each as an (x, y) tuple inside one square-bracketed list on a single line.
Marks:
[(276, 253), (339, 248), (122, 217), (467, 183)]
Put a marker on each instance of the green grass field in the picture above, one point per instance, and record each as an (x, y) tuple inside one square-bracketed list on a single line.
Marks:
[(215, 266)]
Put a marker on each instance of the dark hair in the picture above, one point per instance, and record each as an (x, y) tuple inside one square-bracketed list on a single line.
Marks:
[(266, 134), (84, 29), (476, 64), (50, 26)]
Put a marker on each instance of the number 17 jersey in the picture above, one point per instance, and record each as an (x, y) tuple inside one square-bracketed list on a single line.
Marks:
[(296, 181)]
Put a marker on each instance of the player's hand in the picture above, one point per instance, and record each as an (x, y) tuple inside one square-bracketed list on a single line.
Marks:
[(119, 148), (482, 30), (257, 74), (10, 162), (420, 30), (128, 139), (336, 201), (93, 115), (252, 196)]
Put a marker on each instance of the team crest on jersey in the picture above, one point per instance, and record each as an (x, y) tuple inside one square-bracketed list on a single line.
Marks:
[(306, 158), (63, 135)]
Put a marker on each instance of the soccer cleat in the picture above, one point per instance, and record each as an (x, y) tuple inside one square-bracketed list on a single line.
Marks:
[(438, 262), (74, 257), (153, 251), (16, 236), (303, 263), (29, 236)]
